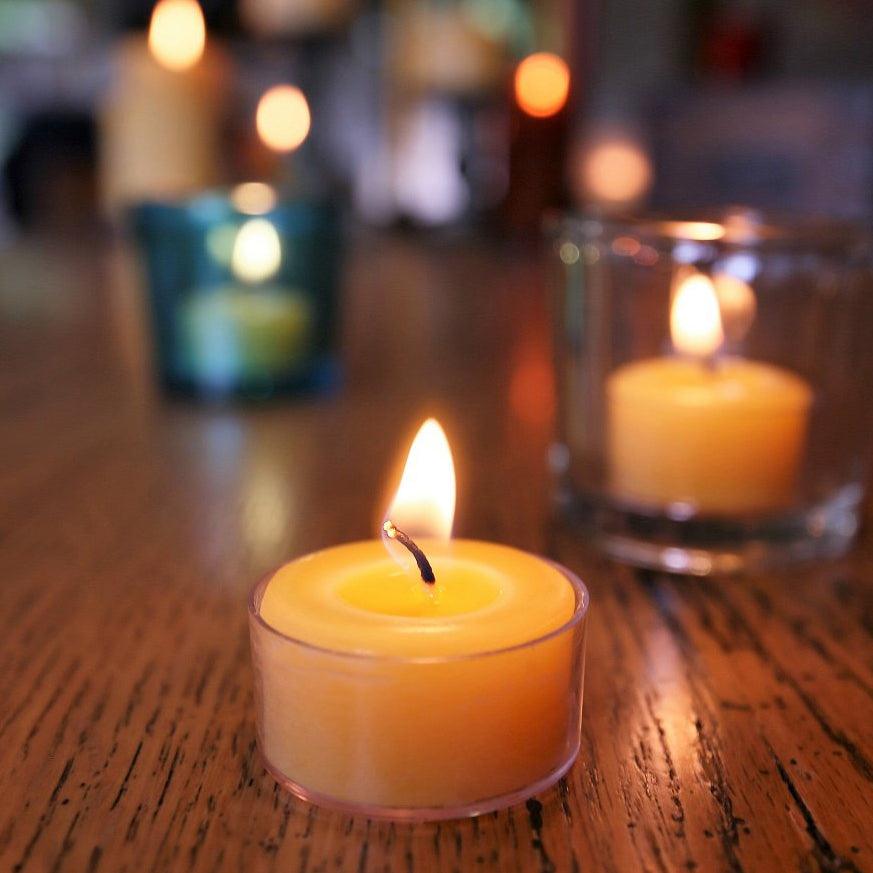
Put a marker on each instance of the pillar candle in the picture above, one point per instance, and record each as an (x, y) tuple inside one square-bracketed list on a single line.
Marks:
[(161, 119)]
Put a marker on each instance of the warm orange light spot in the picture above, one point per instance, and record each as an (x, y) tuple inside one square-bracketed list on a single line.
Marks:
[(615, 171), (626, 245), (700, 231), (695, 319), (646, 256), (531, 387), (283, 118), (542, 84), (177, 34), (253, 198)]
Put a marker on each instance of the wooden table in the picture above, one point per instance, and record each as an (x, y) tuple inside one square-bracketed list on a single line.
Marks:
[(728, 723)]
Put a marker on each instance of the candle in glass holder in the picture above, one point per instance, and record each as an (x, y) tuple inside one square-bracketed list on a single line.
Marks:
[(251, 330), (716, 434), (160, 123)]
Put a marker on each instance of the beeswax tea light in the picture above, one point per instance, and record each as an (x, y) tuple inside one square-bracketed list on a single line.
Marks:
[(416, 676), (722, 435)]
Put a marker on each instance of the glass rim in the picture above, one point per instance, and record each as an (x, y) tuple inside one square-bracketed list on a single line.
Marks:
[(214, 204), (731, 227), (580, 611)]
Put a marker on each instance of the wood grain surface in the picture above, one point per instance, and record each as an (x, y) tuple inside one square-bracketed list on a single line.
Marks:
[(728, 723)]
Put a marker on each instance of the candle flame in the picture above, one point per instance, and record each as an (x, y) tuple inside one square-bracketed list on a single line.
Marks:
[(257, 251), (283, 118), (695, 320), (424, 505), (177, 34)]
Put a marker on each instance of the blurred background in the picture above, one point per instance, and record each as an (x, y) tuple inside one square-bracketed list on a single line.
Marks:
[(423, 113), (360, 187)]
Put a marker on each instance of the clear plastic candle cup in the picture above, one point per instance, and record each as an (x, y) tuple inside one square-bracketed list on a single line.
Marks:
[(383, 693)]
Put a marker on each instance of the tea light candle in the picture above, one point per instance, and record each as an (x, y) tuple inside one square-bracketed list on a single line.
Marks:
[(719, 435), (441, 685)]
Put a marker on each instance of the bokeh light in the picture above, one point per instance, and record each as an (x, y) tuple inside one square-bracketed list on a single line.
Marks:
[(542, 84), (177, 34), (699, 231), (425, 499), (614, 170), (253, 198), (695, 319), (257, 251), (283, 118), (569, 253), (531, 385)]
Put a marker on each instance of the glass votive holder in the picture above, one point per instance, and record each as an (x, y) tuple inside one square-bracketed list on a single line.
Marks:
[(419, 738), (243, 292), (714, 408)]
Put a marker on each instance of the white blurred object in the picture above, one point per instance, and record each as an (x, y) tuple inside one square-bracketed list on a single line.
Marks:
[(427, 181)]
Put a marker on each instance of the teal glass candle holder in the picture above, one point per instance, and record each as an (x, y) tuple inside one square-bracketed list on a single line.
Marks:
[(242, 292)]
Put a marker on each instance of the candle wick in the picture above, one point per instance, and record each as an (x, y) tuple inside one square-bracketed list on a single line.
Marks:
[(405, 540)]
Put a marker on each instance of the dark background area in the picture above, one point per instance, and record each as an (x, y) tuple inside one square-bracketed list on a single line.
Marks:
[(768, 104)]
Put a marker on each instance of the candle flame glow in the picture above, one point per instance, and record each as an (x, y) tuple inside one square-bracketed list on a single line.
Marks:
[(695, 320), (253, 198), (424, 505), (257, 251), (542, 84), (283, 118), (177, 34), (699, 231), (614, 171)]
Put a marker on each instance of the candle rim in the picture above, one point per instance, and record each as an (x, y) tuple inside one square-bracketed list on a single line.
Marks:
[(580, 611), (689, 396)]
